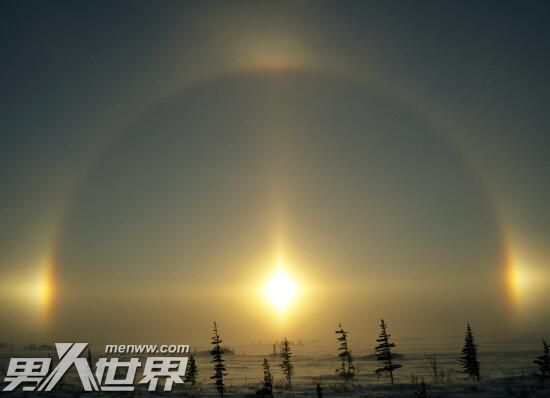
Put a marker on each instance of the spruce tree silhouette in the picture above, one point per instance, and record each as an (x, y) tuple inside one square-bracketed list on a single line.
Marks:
[(218, 361), (319, 391), (383, 352), (89, 358), (543, 363), (286, 363), (347, 370), (267, 383), (192, 371), (468, 359)]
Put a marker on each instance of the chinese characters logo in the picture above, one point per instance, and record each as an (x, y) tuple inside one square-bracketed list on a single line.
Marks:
[(34, 374)]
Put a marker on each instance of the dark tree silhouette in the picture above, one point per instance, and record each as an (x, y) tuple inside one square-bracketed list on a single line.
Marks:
[(468, 358), (218, 361), (192, 371), (89, 358), (267, 383), (286, 363), (423, 392), (543, 363), (347, 370), (383, 352), (432, 359), (319, 391)]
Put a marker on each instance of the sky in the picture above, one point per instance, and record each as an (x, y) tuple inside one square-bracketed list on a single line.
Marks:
[(159, 162)]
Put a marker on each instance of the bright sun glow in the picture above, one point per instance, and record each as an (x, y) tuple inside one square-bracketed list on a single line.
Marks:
[(280, 290), (41, 290), (32, 290)]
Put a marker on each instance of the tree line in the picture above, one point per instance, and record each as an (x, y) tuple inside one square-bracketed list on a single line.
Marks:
[(383, 351)]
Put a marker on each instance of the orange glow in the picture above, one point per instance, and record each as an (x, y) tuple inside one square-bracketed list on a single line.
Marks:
[(32, 291), (518, 281), (42, 290), (526, 281)]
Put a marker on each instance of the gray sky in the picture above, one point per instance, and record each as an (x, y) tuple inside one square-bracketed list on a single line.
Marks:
[(157, 160)]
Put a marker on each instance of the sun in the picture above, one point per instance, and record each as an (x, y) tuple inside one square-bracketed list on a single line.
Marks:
[(280, 290)]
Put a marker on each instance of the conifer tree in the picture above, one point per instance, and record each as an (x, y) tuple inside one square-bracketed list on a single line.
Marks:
[(89, 357), (468, 358), (383, 352), (319, 391), (347, 370), (267, 383), (543, 363), (192, 371), (218, 361), (286, 363)]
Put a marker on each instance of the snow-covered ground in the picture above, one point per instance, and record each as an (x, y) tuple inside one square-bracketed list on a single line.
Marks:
[(507, 371)]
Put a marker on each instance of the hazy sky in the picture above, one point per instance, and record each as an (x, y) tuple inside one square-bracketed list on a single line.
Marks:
[(158, 160)]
